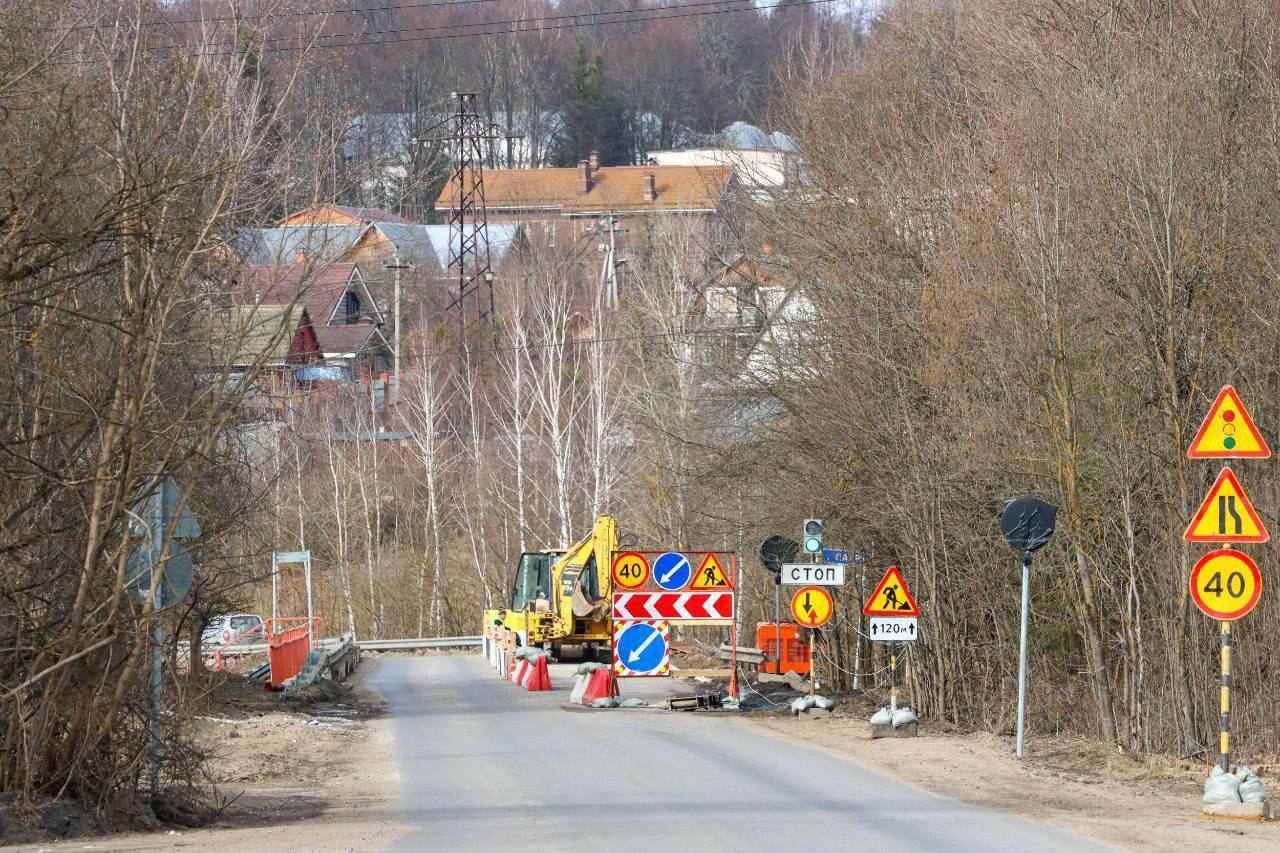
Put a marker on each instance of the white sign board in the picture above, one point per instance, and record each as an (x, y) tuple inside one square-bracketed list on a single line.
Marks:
[(892, 629), (813, 574)]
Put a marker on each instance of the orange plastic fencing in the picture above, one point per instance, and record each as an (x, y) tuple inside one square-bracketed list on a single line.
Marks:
[(795, 653), (287, 648)]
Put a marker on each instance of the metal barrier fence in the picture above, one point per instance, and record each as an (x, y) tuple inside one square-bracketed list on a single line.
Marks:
[(287, 649)]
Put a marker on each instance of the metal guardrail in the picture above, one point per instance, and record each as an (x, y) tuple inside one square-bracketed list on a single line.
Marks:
[(419, 643), (335, 661), (368, 645)]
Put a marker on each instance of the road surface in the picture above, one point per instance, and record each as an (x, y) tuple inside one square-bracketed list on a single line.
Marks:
[(485, 765)]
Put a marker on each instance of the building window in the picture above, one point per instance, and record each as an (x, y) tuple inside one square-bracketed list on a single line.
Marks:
[(351, 307), (550, 230)]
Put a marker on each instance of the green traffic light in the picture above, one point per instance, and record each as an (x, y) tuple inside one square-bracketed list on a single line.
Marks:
[(813, 545)]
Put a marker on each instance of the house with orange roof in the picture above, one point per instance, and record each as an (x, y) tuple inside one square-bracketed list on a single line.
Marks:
[(561, 206), (340, 214)]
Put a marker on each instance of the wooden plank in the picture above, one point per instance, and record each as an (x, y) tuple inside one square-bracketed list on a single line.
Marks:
[(690, 673)]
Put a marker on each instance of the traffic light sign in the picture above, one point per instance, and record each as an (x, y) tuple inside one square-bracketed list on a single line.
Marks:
[(813, 536)]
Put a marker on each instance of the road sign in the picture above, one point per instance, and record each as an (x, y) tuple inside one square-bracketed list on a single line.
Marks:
[(154, 514), (822, 574), (630, 570), (835, 555), (176, 583), (891, 598), (1226, 584), (891, 629), (1226, 515), (641, 648), (812, 606), (776, 550), (672, 605), (710, 575), (672, 571), (1228, 432)]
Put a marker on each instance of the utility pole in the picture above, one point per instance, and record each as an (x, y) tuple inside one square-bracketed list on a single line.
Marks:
[(609, 272), (393, 389)]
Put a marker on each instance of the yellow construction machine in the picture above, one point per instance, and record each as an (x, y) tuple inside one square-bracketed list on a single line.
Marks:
[(561, 597)]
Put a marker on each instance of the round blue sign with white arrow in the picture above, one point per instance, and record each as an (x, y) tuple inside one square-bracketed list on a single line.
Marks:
[(641, 647), (672, 571)]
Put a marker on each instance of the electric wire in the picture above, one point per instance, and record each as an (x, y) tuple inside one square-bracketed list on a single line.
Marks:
[(514, 26)]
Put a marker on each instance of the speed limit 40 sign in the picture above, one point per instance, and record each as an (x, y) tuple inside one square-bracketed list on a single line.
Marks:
[(1226, 584), (630, 570)]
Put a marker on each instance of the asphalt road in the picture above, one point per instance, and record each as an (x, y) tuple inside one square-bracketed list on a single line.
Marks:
[(486, 765)]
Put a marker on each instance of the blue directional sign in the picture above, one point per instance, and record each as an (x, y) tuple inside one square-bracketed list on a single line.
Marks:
[(640, 648), (672, 571), (835, 555)]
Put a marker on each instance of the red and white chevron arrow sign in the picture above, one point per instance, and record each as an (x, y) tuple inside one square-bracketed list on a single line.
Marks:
[(673, 605)]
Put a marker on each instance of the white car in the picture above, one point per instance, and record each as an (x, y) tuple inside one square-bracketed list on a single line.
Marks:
[(222, 629)]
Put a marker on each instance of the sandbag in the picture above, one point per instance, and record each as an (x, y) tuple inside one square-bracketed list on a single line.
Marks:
[(881, 717), (824, 703), (801, 705), (529, 652), (590, 666), (903, 716), (633, 703), (1221, 787), (1252, 789), (604, 702)]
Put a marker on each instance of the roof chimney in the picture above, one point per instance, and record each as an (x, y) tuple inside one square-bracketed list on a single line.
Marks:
[(595, 160), (584, 176), (650, 187)]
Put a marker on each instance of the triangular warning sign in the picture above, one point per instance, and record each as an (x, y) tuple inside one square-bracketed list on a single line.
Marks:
[(710, 575), (1228, 432), (891, 598), (1226, 515)]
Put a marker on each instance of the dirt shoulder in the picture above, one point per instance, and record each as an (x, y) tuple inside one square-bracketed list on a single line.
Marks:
[(304, 776), (1070, 783)]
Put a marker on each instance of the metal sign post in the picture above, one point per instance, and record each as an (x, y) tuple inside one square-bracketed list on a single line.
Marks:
[(1027, 524), (279, 558)]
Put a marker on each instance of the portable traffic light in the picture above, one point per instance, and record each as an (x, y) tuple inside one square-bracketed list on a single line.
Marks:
[(813, 536)]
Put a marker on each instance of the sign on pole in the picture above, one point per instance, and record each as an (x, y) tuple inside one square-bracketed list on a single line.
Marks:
[(892, 629), (821, 574), (1226, 584), (891, 598), (812, 606), (1228, 432), (648, 604), (1226, 515)]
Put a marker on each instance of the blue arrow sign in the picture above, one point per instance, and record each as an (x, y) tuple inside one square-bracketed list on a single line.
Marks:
[(641, 647), (835, 555), (672, 571)]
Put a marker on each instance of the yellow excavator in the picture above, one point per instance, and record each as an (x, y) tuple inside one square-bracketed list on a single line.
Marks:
[(562, 597)]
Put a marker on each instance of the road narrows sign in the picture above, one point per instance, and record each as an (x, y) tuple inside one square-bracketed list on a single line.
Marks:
[(641, 648), (891, 598), (1228, 432), (710, 575), (1226, 584), (812, 606), (630, 570), (1226, 515)]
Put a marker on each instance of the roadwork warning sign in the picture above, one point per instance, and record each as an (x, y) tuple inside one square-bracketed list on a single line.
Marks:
[(891, 598)]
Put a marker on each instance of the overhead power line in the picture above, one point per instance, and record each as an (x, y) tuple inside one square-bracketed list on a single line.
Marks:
[(511, 26)]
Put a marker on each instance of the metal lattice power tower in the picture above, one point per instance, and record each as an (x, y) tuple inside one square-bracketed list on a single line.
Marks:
[(469, 261)]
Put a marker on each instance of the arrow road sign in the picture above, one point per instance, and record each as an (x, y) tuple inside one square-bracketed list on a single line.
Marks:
[(673, 605), (892, 629), (672, 571), (641, 648)]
